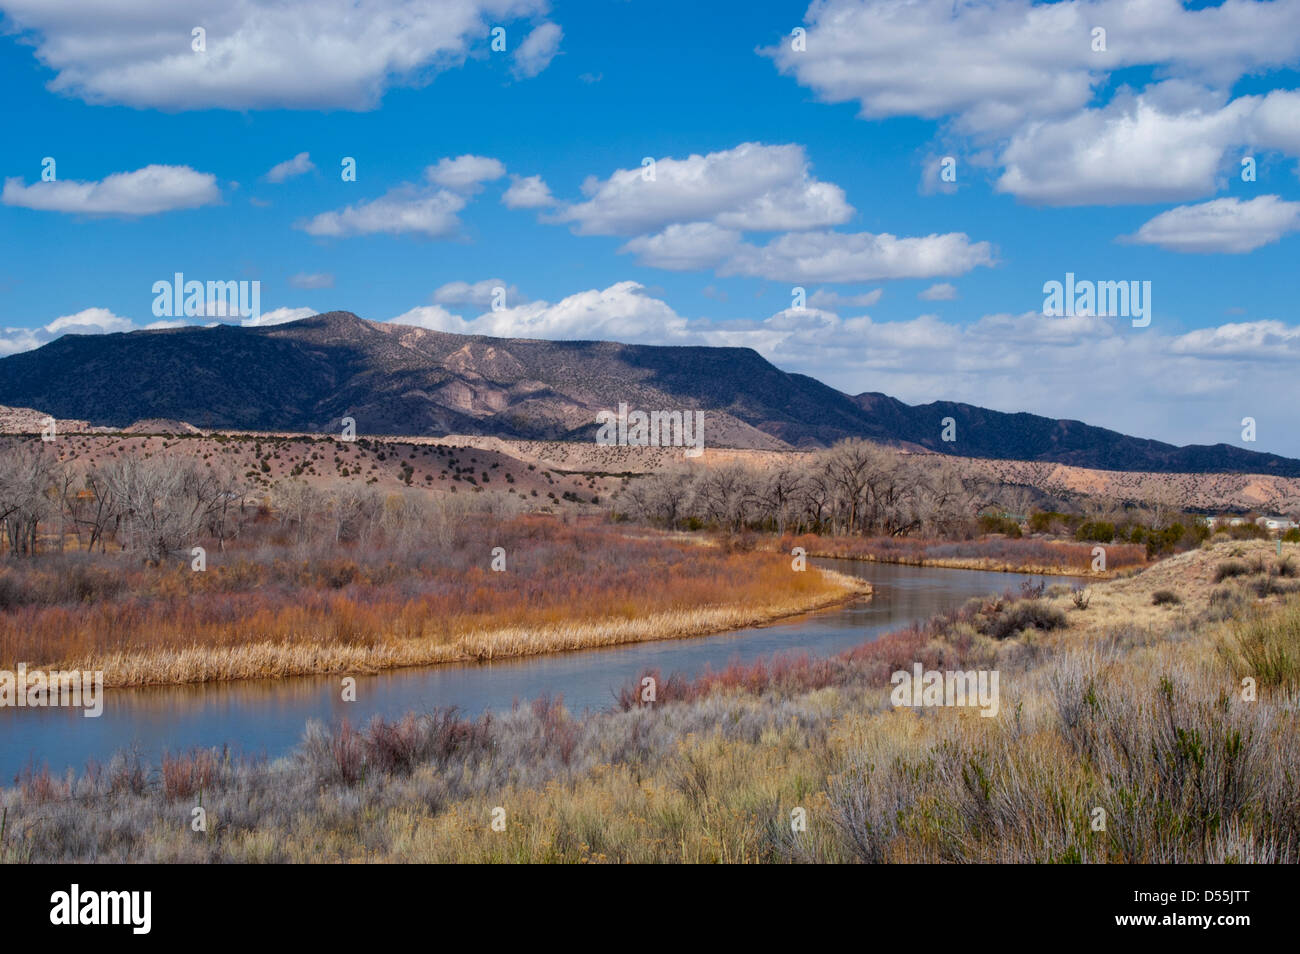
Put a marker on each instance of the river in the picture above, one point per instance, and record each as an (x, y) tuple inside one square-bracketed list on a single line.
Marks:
[(266, 717)]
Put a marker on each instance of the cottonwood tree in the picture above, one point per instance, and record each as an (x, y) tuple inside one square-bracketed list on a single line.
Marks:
[(26, 482), (161, 503), (854, 487)]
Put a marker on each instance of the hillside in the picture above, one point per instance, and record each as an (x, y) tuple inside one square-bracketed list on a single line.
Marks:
[(393, 379)]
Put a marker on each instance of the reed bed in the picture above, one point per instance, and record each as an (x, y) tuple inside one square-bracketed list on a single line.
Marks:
[(279, 611)]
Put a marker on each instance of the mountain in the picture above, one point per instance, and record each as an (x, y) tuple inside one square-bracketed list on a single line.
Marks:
[(395, 379)]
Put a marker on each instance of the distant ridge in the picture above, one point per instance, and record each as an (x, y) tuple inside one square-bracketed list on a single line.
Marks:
[(395, 379)]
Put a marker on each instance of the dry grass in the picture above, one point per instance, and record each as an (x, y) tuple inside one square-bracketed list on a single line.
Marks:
[(270, 612), (784, 596)]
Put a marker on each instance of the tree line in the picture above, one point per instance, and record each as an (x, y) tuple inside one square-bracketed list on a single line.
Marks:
[(855, 487)]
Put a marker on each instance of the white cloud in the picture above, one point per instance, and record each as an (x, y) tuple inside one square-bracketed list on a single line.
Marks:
[(312, 280), (146, 191), (403, 210), (478, 293), (999, 64), (685, 247), (538, 49), (465, 173), (621, 312), (91, 321), (433, 318), (88, 321), (940, 292), (858, 257), (261, 54), (751, 187), (1019, 80), (1266, 340), (296, 166), (1168, 144), (527, 192), (278, 316), (1221, 225)]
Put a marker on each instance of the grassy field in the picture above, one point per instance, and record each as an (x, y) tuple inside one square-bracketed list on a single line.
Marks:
[(1123, 736)]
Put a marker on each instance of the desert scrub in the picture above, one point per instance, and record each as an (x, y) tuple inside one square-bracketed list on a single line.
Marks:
[(1002, 620), (1266, 646), (1230, 568)]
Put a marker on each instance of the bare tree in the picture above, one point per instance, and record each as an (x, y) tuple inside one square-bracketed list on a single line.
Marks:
[(26, 484)]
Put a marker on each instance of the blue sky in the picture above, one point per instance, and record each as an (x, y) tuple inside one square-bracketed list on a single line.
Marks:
[(776, 167)]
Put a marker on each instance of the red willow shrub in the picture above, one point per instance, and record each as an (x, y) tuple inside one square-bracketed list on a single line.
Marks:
[(366, 595), (869, 664)]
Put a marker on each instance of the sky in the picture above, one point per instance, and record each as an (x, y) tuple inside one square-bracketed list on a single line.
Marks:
[(871, 192)]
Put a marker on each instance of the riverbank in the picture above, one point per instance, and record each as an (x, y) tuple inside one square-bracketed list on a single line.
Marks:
[(992, 553), (1140, 716), (258, 613), (260, 660)]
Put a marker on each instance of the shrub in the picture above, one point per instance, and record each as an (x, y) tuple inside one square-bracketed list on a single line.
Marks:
[(1020, 616), (1228, 569), (1266, 647), (994, 523), (1166, 598), (1095, 531)]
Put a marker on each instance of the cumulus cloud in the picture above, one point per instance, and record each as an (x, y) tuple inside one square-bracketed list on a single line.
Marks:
[(465, 173), (1221, 225), (1000, 64), (278, 316), (528, 192), (433, 318), (690, 214), (621, 312), (1165, 145), (538, 49), (685, 247), (1021, 79), (146, 191), (751, 187), (261, 54), (858, 257), (296, 166), (476, 293), (88, 321), (404, 210), (940, 292)]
